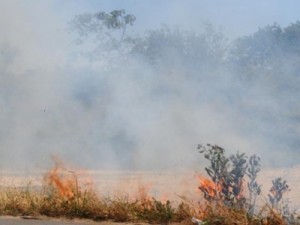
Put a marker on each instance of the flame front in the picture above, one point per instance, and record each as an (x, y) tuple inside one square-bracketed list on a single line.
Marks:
[(66, 185), (208, 187), (62, 180)]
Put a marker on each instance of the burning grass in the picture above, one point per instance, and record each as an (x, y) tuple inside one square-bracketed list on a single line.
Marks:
[(52, 202), (63, 194), (223, 201)]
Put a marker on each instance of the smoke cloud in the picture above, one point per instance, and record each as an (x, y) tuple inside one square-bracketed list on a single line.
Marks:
[(122, 112)]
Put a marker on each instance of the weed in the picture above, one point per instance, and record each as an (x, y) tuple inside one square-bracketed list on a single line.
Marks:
[(253, 186), (62, 195), (227, 175), (276, 192), (224, 192)]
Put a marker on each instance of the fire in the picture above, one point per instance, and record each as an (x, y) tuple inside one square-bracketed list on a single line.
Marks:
[(64, 184), (143, 192), (64, 181), (208, 187), (220, 190)]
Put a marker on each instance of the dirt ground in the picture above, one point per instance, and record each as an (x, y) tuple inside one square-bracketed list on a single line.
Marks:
[(8, 220)]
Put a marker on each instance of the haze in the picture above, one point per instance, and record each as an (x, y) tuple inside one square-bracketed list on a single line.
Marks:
[(124, 113)]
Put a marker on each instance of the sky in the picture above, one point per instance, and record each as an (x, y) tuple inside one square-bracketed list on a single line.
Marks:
[(54, 103), (234, 16)]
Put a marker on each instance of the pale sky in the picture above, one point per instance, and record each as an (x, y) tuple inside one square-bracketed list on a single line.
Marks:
[(236, 17)]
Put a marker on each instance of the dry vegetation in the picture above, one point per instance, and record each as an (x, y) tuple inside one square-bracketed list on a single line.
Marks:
[(62, 198), (64, 195)]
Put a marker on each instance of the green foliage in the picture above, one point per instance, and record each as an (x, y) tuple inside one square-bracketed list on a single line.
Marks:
[(121, 209), (160, 47), (102, 26), (156, 211), (291, 38), (277, 190), (254, 50), (253, 187), (206, 49), (268, 53), (219, 163), (226, 173), (236, 177)]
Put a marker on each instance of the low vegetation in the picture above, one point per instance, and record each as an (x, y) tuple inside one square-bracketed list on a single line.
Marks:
[(229, 202), (230, 197), (87, 204)]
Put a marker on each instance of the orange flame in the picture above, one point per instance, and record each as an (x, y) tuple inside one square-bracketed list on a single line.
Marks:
[(65, 185), (64, 181), (209, 187)]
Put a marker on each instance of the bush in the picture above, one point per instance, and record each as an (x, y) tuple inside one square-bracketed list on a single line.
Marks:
[(225, 195)]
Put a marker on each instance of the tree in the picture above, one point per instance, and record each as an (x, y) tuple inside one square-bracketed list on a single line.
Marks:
[(190, 48), (163, 45), (254, 52), (103, 27), (268, 51)]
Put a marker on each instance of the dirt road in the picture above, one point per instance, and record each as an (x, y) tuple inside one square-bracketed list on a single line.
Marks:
[(7, 220)]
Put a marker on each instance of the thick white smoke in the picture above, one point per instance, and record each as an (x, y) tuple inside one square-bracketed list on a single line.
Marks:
[(131, 116)]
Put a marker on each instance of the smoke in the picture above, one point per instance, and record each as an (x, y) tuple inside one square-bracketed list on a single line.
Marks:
[(122, 112)]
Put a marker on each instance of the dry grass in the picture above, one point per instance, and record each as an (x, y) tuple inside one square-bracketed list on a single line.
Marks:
[(48, 201), (63, 195), (86, 204)]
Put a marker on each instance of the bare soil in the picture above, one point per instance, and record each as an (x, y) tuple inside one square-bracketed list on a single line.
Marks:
[(9, 220)]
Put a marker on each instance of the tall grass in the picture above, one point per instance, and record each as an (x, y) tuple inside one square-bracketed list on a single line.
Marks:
[(63, 195), (48, 201)]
